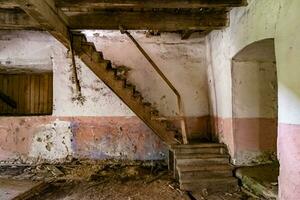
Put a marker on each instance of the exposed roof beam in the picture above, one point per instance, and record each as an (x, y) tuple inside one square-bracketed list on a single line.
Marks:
[(50, 18), (11, 19), (7, 4), (148, 3), (16, 19), (161, 21)]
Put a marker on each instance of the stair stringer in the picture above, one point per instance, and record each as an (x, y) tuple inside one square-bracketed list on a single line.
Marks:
[(99, 67)]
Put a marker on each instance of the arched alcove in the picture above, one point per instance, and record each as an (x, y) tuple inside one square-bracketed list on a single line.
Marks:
[(254, 100)]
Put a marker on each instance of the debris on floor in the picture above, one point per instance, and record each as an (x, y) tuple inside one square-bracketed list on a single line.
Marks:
[(19, 189), (202, 195), (109, 180), (261, 180)]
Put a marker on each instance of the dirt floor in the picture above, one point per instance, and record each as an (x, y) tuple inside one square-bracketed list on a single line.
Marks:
[(109, 181)]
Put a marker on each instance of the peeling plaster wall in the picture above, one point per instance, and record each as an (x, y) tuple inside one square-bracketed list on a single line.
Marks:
[(59, 139), (261, 19), (182, 62), (102, 126)]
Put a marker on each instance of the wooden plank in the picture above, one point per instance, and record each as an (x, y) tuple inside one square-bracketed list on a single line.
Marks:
[(16, 19), (161, 21), (22, 81), (15, 91), (51, 19), (41, 95), (148, 3), (27, 94), (36, 93), (50, 98), (5, 82), (9, 92), (32, 93), (46, 92), (1, 89), (7, 4)]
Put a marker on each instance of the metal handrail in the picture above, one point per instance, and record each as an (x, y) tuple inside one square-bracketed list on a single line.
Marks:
[(179, 100)]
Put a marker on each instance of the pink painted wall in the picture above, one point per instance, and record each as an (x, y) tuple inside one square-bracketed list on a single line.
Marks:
[(289, 156), (26, 138)]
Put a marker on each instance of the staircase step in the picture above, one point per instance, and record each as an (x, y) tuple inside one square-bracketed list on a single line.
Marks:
[(202, 161), (228, 184), (193, 168), (184, 176), (200, 156), (103, 69), (202, 145), (207, 150), (97, 56), (89, 48)]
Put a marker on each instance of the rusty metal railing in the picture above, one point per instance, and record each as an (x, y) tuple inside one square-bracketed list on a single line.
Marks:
[(179, 100)]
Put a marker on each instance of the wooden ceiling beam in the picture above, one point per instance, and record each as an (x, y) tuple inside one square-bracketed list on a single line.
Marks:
[(149, 3), (161, 21), (48, 16), (8, 4)]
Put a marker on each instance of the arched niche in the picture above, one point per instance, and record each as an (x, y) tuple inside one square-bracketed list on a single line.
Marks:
[(254, 103)]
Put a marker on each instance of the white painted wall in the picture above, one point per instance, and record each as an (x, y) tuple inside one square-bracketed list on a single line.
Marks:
[(259, 20), (248, 24), (183, 62), (254, 89), (287, 53)]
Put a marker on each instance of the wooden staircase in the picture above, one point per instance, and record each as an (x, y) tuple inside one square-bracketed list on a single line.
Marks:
[(204, 166), (118, 83), (199, 166)]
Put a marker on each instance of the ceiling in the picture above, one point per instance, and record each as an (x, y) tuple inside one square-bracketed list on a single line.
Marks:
[(185, 16)]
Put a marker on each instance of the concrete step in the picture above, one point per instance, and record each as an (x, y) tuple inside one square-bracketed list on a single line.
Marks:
[(199, 151), (213, 184), (188, 175), (198, 155), (204, 148), (201, 145), (202, 161), (214, 167)]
